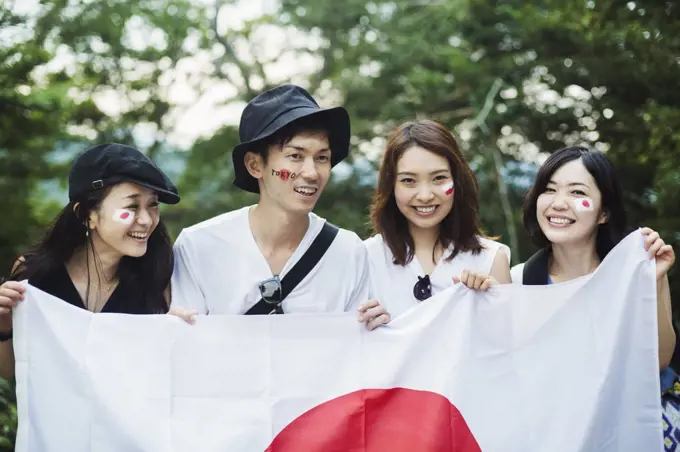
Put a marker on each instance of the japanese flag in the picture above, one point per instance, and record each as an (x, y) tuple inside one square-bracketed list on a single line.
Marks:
[(124, 216), (567, 367), (448, 188), (583, 204)]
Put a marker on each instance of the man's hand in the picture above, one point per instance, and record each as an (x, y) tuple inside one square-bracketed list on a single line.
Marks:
[(373, 314), (187, 316)]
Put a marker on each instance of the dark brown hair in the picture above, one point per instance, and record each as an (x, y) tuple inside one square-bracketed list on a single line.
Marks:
[(461, 227)]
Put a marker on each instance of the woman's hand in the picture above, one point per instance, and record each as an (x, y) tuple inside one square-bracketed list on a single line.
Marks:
[(373, 314), (476, 281), (659, 250), (11, 293)]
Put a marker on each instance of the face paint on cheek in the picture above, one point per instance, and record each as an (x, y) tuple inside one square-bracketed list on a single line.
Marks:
[(284, 174), (123, 216), (448, 188), (583, 205)]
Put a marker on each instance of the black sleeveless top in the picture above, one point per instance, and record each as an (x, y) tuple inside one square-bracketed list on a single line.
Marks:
[(58, 283), (535, 271)]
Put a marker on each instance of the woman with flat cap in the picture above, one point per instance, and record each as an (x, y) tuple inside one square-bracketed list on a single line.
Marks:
[(107, 250)]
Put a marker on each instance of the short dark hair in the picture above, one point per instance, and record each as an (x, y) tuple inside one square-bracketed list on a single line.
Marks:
[(598, 165), (312, 123), (461, 227)]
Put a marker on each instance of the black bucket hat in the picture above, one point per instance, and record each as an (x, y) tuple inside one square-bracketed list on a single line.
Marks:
[(108, 164), (274, 109)]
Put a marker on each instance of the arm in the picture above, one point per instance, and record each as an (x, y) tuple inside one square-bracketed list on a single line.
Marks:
[(187, 316), (371, 312), (665, 322), (11, 292), (664, 256), (6, 348), (361, 290), (167, 295), (500, 268), (185, 291)]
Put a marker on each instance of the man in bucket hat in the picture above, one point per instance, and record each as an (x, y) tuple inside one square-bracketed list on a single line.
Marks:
[(277, 256)]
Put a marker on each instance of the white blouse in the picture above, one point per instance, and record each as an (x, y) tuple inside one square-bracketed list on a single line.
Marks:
[(392, 285)]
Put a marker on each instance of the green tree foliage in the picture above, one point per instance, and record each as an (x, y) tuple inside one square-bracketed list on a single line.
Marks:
[(31, 117), (53, 65), (614, 68), (604, 74)]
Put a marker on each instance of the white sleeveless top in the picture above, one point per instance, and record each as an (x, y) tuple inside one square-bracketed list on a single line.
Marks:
[(392, 285)]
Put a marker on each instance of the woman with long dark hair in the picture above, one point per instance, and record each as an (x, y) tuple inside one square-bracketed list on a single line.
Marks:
[(107, 250), (425, 215), (574, 213)]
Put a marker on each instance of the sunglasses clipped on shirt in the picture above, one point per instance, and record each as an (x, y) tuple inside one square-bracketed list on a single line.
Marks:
[(271, 292), (422, 289)]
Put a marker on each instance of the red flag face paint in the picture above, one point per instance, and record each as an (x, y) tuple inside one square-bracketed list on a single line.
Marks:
[(124, 216), (448, 188), (583, 205)]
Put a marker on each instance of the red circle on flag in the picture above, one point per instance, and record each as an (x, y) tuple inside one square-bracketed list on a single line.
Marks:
[(124, 215), (378, 420), (585, 203)]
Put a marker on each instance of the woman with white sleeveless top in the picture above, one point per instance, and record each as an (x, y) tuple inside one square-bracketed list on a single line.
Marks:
[(425, 215)]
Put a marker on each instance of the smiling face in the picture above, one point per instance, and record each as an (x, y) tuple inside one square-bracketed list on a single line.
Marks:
[(424, 188), (295, 173), (569, 210), (124, 220)]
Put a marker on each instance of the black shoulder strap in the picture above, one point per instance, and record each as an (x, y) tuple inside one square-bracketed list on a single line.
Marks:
[(301, 269), (535, 271)]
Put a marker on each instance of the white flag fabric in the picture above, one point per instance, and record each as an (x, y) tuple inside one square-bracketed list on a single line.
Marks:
[(568, 367)]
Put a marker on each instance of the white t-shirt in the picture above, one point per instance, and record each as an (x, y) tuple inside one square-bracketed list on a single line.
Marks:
[(219, 267), (392, 285)]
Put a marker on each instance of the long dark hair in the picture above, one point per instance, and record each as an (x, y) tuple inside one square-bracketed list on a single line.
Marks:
[(461, 227), (598, 165), (148, 275)]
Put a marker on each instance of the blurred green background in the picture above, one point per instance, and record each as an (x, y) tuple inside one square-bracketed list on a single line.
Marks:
[(513, 80)]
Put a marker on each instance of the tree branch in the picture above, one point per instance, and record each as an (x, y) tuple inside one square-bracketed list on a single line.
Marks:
[(259, 65), (230, 55), (480, 121), (326, 68), (10, 102)]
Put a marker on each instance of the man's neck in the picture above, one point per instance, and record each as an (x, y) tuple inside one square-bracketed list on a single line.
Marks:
[(273, 228), (573, 261)]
